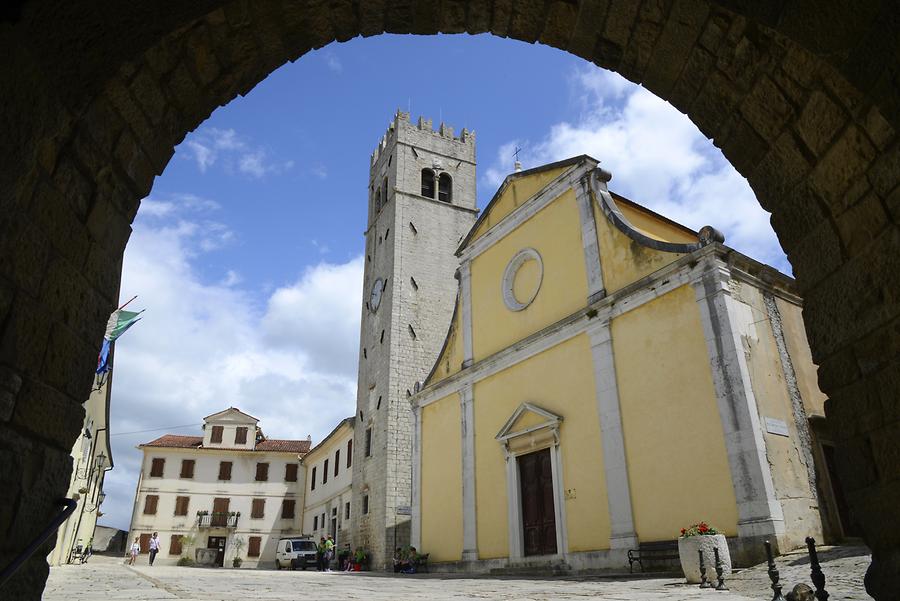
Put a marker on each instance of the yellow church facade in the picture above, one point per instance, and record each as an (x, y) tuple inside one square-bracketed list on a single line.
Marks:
[(609, 377)]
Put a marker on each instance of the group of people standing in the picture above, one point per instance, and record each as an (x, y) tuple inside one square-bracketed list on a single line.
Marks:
[(325, 554)]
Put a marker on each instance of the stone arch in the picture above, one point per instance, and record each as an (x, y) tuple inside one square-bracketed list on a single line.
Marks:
[(800, 97)]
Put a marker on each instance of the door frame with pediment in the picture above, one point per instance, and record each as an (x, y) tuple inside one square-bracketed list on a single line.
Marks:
[(516, 442)]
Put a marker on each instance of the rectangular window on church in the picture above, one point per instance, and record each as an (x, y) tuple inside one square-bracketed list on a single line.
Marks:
[(368, 442)]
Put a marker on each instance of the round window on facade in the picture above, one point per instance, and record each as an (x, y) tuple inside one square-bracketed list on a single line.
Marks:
[(522, 279)]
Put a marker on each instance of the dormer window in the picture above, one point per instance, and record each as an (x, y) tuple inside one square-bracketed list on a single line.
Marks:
[(216, 434), (428, 183), (445, 188)]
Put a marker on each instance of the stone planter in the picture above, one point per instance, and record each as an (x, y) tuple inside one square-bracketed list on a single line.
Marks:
[(205, 557), (688, 548)]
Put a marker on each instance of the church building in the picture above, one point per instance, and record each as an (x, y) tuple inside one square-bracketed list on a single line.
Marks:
[(609, 377)]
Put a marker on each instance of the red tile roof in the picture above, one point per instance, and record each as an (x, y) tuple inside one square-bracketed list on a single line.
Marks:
[(294, 446), (178, 441)]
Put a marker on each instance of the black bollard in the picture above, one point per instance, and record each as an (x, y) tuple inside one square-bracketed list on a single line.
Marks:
[(818, 577), (704, 583), (773, 575), (720, 571)]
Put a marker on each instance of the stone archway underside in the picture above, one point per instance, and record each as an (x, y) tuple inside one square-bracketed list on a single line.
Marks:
[(801, 97)]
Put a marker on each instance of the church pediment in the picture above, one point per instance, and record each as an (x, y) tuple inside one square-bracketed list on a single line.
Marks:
[(529, 426)]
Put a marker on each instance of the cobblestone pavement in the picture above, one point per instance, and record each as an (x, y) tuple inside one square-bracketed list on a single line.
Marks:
[(844, 568), (108, 579)]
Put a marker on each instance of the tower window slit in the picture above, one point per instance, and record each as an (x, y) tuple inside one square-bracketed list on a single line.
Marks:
[(412, 332), (365, 356), (412, 281), (378, 406), (412, 228), (386, 232), (381, 341)]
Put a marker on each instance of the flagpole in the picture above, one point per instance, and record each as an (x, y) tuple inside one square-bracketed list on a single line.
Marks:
[(129, 301)]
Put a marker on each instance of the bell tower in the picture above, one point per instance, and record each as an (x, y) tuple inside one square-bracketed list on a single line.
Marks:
[(421, 203)]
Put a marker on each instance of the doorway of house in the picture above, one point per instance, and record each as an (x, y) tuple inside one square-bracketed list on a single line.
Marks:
[(218, 543), (538, 511)]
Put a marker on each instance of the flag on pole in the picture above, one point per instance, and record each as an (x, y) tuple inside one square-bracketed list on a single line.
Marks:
[(118, 324)]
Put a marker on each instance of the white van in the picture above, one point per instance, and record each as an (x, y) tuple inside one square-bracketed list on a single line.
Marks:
[(295, 552)]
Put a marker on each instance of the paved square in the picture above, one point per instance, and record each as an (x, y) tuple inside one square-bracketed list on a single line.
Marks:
[(106, 578)]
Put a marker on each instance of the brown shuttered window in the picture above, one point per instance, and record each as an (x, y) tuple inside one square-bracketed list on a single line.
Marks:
[(240, 435), (187, 468), (349, 452), (175, 544), (150, 504), (262, 472), (337, 461), (258, 508), (145, 543), (156, 468), (290, 472), (216, 434), (181, 505), (253, 545), (287, 509), (224, 470)]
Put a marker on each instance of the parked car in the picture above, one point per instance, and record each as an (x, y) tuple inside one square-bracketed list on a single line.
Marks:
[(295, 553)]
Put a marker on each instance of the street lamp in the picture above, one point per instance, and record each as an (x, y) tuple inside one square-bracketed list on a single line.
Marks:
[(101, 462)]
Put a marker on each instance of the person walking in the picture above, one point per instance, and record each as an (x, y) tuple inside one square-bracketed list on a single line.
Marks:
[(329, 552), (154, 546), (135, 549)]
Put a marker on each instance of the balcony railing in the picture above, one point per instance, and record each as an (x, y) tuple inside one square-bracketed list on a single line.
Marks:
[(218, 520)]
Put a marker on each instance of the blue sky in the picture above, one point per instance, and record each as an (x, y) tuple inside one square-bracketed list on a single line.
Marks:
[(246, 254)]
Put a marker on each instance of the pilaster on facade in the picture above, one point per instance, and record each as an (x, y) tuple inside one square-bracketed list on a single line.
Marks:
[(416, 526), (759, 512), (465, 293), (589, 240), (615, 467), (470, 534)]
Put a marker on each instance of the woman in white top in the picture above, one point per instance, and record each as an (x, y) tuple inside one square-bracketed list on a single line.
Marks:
[(135, 549)]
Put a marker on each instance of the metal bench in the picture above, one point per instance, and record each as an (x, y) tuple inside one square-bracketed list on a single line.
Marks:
[(653, 552)]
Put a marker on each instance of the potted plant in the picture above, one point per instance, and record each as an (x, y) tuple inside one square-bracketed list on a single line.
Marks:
[(705, 538), (237, 544), (360, 560)]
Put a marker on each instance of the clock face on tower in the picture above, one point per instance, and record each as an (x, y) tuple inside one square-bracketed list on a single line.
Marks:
[(375, 295)]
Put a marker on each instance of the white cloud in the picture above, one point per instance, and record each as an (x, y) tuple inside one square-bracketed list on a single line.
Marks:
[(333, 62), (657, 157), (206, 146), (202, 347)]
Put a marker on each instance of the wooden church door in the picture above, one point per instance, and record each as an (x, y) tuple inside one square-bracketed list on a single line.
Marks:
[(538, 515)]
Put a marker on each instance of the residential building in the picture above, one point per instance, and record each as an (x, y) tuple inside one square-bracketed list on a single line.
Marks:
[(91, 459), (609, 377), (329, 476), (232, 489)]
